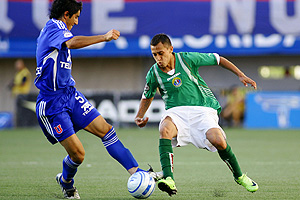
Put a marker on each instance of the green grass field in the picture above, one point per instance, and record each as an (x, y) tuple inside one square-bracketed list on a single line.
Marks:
[(29, 164)]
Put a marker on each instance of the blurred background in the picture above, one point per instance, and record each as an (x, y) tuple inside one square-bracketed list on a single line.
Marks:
[(260, 37)]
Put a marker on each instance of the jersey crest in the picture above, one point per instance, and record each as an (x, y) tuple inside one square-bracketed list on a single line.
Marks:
[(176, 82)]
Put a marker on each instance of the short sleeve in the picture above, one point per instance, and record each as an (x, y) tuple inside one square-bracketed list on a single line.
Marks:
[(203, 59), (151, 85), (58, 34)]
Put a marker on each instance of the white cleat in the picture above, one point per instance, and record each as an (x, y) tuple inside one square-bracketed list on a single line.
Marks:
[(157, 175), (68, 193)]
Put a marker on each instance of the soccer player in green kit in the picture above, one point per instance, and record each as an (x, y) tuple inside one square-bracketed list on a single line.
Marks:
[(191, 108)]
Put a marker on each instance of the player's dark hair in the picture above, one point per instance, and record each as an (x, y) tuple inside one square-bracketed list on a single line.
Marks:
[(59, 7), (161, 37)]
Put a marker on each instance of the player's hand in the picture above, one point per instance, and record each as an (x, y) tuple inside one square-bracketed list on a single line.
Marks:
[(141, 122), (112, 35), (246, 80)]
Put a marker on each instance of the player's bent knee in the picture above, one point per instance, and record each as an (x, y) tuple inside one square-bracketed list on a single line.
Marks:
[(78, 156), (216, 138), (165, 133), (220, 145), (99, 127), (167, 129)]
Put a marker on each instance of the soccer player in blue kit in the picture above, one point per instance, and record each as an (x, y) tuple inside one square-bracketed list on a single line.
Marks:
[(61, 109)]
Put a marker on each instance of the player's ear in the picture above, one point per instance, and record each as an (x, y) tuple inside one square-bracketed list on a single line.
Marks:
[(66, 14)]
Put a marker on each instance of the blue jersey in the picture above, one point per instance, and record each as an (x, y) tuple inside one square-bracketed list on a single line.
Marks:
[(53, 58), (61, 109)]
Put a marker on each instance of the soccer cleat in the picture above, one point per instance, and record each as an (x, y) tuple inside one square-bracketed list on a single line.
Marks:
[(156, 175), (247, 182), (68, 193), (167, 185)]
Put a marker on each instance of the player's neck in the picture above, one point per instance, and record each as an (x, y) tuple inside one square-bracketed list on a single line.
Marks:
[(62, 19), (170, 66)]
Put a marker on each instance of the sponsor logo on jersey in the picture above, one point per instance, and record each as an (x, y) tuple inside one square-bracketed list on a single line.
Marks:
[(65, 65), (67, 34), (175, 75), (177, 82)]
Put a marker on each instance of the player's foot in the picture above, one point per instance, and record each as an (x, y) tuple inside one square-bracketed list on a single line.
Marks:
[(156, 175), (247, 182), (167, 185), (68, 193)]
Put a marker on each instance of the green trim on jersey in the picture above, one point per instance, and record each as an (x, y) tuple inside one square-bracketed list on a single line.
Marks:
[(185, 87)]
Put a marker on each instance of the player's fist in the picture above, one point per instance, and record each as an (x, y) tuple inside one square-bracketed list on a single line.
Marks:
[(141, 122), (112, 35)]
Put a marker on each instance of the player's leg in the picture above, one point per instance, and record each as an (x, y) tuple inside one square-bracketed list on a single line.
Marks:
[(113, 145), (216, 138), (74, 158), (85, 116), (167, 131), (71, 162), (59, 128)]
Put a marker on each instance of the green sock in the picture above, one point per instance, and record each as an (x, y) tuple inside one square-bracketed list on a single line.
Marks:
[(166, 157), (229, 158)]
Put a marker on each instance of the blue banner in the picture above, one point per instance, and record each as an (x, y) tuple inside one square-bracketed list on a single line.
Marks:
[(228, 27), (279, 110)]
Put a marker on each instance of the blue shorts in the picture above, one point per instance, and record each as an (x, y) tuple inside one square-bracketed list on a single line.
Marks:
[(63, 113)]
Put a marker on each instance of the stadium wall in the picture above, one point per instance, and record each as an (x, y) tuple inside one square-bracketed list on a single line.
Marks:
[(128, 75)]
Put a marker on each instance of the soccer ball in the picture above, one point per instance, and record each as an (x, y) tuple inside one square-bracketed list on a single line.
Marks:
[(141, 185)]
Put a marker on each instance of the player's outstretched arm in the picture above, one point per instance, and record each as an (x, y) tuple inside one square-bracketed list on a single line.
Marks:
[(78, 42), (144, 105), (242, 77)]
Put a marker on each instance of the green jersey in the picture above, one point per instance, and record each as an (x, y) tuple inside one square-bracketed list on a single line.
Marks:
[(185, 87)]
